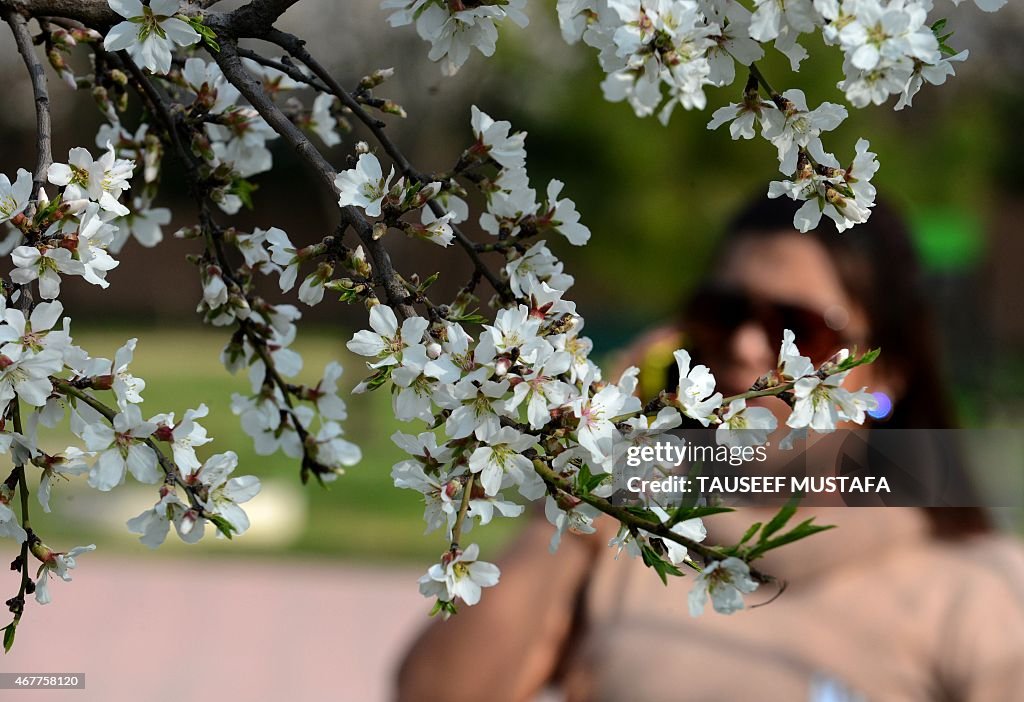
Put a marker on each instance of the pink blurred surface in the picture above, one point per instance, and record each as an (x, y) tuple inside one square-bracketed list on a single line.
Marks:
[(202, 629)]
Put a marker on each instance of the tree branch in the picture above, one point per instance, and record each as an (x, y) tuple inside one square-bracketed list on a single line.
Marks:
[(169, 468), (627, 518), (95, 13), (256, 18), (36, 73), (297, 48), (251, 20), (231, 65)]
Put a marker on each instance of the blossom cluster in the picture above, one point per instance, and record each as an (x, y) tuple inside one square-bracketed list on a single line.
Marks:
[(659, 54), (47, 381), (454, 29), (512, 408), (523, 390)]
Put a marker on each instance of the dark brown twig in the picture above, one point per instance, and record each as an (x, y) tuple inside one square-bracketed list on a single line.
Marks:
[(296, 47), (230, 64), (41, 96)]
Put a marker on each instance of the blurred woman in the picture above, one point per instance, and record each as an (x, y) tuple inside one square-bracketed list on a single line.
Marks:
[(894, 604)]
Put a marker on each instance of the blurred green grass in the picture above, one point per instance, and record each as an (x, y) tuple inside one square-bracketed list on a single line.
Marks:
[(360, 516)]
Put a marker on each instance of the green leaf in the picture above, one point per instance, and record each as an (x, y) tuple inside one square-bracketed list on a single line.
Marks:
[(801, 531), (586, 481), (223, 526), (244, 190), (749, 533), (9, 636), (703, 511), (662, 567), (379, 378), (643, 513), (852, 362), (429, 281), (469, 318), (208, 36), (779, 520), (939, 25), (443, 607), (689, 500)]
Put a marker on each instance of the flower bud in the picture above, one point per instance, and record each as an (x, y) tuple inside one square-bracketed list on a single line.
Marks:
[(41, 551), (565, 501), (75, 206), (102, 382), (188, 522), (502, 366), (164, 433), (393, 108), (451, 488)]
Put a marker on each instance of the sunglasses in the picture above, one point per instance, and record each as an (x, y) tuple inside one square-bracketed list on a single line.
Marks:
[(715, 313)]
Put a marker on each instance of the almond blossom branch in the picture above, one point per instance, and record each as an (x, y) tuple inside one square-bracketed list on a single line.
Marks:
[(17, 604), (631, 520), (467, 493), (170, 470), (296, 47), (41, 96), (230, 63), (757, 75), (158, 104)]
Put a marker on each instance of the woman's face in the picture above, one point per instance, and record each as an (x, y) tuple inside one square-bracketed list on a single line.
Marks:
[(785, 276)]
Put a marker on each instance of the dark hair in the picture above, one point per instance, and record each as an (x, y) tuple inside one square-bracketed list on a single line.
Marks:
[(878, 266)]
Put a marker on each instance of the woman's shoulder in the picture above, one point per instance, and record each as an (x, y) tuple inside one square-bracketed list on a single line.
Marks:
[(979, 644), (977, 577), (993, 560), (994, 554)]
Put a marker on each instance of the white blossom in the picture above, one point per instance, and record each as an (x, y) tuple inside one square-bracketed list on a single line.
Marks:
[(801, 129), (26, 374), (207, 81), (150, 33), (364, 186), (596, 413), (726, 581), (57, 564), (386, 343), (9, 527), (283, 253), (821, 403), (745, 426), (577, 518), (496, 139), (102, 180), (696, 391), (14, 197), (461, 576), (120, 449), (454, 30), (153, 524), (223, 495), (44, 264), (144, 224), (322, 122), (501, 457)]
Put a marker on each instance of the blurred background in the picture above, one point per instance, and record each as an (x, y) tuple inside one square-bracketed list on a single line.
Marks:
[(322, 590)]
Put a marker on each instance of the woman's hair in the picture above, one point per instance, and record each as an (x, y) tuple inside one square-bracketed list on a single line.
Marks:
[(878, 266)]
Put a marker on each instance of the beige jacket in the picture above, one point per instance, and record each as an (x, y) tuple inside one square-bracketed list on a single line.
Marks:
[(876, 609)]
